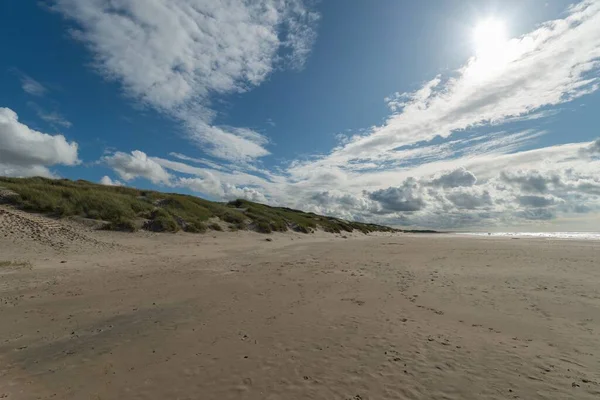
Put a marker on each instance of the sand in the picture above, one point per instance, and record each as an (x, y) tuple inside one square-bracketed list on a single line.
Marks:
[(103, 315)]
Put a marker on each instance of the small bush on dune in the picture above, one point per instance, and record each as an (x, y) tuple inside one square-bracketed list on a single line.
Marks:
[(301, 228), (215, 227), (331, 228), (161, 221), (278, 226), (162, 224), (233, 217), (195, 227), (346, 227), (123, 225), (263, 226)]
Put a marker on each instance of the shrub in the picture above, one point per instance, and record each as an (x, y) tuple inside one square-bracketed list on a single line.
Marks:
[(278, 225), (301, 228), (161, 221), (123, 225), (345, 226), (215, 227), (263, 226), (233, 217), (195, 227)]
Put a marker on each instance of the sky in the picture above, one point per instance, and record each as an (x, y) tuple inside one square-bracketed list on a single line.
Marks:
[(445, 114)]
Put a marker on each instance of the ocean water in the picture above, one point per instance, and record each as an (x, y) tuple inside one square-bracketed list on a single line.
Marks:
[(546, 235)]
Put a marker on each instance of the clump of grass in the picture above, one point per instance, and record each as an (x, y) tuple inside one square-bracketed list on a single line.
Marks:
[(123, 225), (233, 217), (162, 221), (263, 226), (195, 227), (215, 227), (18, 264), (301, 228)]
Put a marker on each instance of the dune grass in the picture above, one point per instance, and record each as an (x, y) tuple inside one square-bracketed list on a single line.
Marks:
[(126, 209), (16, 264)]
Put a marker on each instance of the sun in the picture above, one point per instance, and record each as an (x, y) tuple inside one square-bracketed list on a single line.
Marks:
[(489, 37), (493, 50)]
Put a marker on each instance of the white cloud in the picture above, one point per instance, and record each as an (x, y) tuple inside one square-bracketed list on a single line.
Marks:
[(26, 152), (405, 197), (593, 149), (51, 117), (392, 173), (457, 178), (55, 118), (25, 170), (31, 86), (106, 180), (232, 144), (469, 200), (216, 184), (554, 64), (212, 186), (175, 55), (197, 160), (486, 190), (535, 201), (137, 164)]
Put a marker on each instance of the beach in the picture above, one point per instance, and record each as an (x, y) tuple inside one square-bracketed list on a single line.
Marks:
[(230, 315)]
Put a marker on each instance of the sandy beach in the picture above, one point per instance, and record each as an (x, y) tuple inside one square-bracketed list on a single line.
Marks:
[(104, 315)]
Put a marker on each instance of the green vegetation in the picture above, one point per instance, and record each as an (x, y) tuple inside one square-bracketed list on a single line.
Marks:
[(215, 227), (125, 209), (15, 264)]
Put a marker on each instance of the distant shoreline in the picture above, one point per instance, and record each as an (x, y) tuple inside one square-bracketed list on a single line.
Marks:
[(534, 235)]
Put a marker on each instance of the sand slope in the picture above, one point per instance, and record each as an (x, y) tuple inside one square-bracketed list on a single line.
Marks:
[(231, 316)]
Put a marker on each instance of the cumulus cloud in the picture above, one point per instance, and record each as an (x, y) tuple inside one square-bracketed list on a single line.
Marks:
[(457, 178), (205, 181), (212, 186), (25, 151), (470, 200), (106, 180), (593, 149), (537, 214), (535, 201), (135, 165), (494, 189), (402, 198), (20, 171), (530, 180), (188, 51), (232, 192)]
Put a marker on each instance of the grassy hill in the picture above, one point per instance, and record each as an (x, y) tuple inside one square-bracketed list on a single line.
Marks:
[(128, 209)]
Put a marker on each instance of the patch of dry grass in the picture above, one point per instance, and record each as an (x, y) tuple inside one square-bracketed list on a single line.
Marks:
[(17, 264)]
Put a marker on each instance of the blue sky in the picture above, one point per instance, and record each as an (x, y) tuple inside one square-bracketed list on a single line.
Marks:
[(445, 114)]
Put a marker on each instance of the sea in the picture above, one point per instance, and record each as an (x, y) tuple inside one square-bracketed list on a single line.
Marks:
[(542, 235)]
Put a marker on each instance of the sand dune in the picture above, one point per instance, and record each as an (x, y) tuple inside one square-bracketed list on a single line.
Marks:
[(105, 315)]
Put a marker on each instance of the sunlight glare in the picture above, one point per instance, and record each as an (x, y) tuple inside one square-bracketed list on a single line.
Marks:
[(489, 36), (491, 49)]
